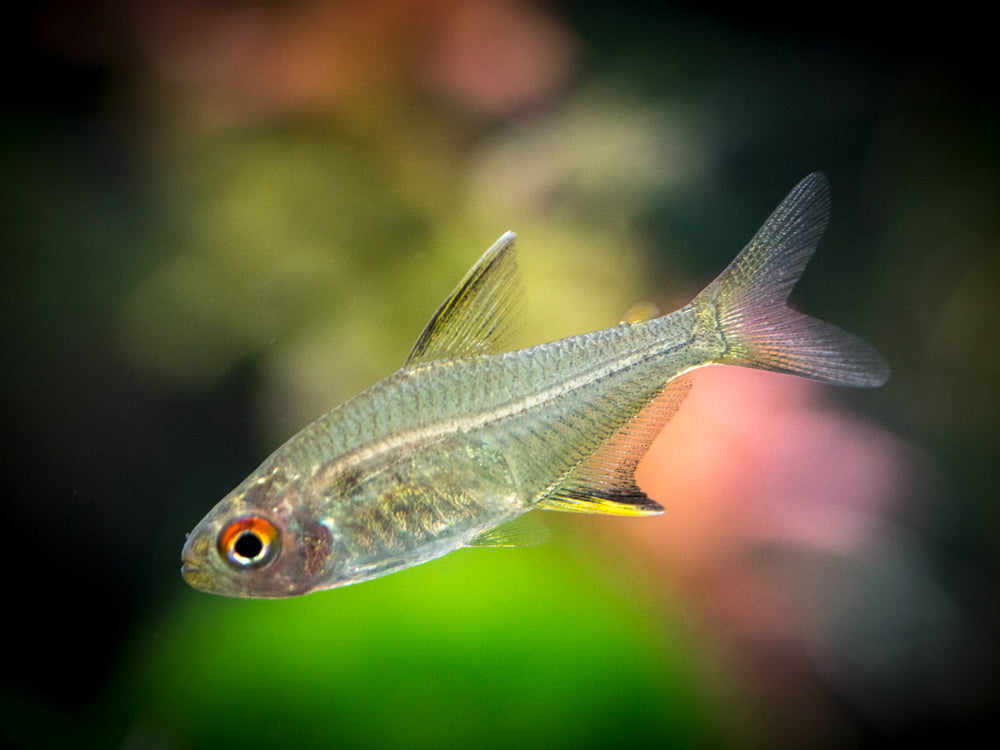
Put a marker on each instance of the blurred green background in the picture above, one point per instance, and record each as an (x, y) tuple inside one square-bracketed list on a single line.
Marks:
[(222, 218)]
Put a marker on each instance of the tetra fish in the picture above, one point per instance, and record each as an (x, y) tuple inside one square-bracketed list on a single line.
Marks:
[(454, 448)]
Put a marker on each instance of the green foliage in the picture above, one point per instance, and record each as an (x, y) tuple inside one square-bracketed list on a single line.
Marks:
[(481, 648)]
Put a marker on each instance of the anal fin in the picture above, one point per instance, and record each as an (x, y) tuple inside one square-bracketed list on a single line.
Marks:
[(605, 482)]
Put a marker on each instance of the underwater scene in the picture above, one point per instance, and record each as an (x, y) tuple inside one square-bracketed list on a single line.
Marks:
[(222, 220)]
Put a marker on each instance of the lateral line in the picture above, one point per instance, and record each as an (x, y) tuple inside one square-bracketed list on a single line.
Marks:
[(436, 430)]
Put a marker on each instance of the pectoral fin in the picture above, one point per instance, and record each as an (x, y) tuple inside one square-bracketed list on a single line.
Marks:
[(523, 531), (477, 314)]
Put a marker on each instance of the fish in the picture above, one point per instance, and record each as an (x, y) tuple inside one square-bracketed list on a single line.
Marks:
[(459, 446)]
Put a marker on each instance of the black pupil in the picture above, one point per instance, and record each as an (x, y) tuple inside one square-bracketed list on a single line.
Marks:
[(248, 545)]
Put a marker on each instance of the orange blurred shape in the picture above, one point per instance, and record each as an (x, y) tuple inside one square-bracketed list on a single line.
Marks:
[(764, 483), (755, 457), (267, 58)]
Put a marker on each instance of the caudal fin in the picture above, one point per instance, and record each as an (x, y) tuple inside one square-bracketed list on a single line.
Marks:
[(750, 297)]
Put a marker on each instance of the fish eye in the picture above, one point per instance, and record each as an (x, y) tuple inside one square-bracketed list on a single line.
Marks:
[(249, 542)]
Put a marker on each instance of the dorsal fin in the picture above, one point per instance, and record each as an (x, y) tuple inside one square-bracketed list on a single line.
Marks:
[(477, 314), (605, 482)]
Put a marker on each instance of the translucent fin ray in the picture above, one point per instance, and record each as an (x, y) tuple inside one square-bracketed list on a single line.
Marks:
[(478, 313), (749, 299), (523, 531), (605, 482), (641, 311)]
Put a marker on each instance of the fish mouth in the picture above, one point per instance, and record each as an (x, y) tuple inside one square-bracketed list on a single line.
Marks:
[(194, 576), (191, 570)]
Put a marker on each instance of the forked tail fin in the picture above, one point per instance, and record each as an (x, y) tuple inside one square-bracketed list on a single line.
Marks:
[(750, 297)]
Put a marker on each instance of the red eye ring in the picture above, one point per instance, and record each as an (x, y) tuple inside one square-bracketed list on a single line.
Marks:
[(249, 542)]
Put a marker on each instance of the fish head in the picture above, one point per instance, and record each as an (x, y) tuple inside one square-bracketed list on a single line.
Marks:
[(260, 541)]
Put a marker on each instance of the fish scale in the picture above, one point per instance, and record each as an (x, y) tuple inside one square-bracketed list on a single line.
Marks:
[(456, 447)]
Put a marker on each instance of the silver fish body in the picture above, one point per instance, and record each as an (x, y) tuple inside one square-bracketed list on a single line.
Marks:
[(453, 449)]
